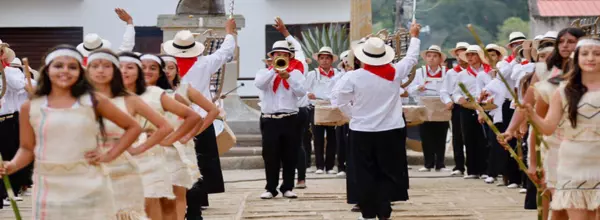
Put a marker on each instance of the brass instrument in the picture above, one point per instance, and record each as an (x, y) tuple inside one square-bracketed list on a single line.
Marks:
[(281, 63), (590, 26)]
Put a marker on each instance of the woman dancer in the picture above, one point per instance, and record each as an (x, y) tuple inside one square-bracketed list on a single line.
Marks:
[(575, 105), (105, 75), (59, 128), (184, 166), (548, 72), (158, 189)]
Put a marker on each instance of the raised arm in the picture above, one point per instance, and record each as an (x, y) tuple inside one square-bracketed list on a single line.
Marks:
[(129, 37), (404, 66), (264, 79), (296, 81), (220, 57)]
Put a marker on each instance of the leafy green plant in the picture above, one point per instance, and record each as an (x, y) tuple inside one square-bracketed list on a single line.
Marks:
[(333, 35)]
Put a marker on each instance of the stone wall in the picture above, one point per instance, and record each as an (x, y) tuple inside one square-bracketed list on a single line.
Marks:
[(540, 25)]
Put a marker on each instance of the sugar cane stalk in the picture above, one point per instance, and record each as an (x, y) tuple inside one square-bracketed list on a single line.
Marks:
[(512, 93), (489, 122), (11, 194)]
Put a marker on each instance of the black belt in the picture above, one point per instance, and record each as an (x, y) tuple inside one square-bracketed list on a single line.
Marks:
[(278, 115)]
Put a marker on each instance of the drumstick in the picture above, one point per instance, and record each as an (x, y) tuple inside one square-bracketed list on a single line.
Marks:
[(11, 194)]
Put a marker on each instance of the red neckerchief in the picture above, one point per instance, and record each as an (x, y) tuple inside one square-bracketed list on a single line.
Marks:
[(437, 74), (296, 64), (510, 58), (329, 75), (486, 69), (4, 64), (525, 62), (387, 71), (84, 61), (185, 64), (458, 68), (279, 80)]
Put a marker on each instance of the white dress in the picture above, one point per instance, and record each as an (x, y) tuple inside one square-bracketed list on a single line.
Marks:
[(578, 170), (153, 163), (126, 181), (66, 186)]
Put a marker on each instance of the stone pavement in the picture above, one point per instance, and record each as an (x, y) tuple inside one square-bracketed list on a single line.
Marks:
[(433, 195)]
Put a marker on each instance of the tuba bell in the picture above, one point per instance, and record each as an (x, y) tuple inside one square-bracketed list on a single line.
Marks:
[(280, 63)]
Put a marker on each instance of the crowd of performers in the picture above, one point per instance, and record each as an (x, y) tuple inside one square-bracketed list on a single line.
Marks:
[(554, 75), (105, 134)]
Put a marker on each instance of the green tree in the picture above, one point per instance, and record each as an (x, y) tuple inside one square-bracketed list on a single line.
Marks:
[(510, 25)]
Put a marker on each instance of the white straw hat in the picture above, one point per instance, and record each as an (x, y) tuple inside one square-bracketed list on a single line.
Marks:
[(515, 37), (374, 52), (474, 49), (326, 51), (92, 42), (9, 54), (496, 48), (16, 62), (459, 46), (433, 49), (183, 45), (280, 46)]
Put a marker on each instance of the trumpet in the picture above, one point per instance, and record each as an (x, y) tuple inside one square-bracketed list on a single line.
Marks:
[(280, 63)]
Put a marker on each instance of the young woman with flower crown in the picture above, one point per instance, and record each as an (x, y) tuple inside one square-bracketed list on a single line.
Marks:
[(158, 189), (183, 164), (105, 75), (574, 109), (70, 180)]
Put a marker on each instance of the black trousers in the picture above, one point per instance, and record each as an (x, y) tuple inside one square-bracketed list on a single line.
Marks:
[(324, 155), (475, 142), (9, 136), (513, 173), (341, 134), (303, 156), (207, 153), (381, 170), (457, 139), (280, 138), (498, 156), (433, 138)]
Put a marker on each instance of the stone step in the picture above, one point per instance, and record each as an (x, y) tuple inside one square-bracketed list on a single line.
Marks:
[(248, 140), (250, 158)]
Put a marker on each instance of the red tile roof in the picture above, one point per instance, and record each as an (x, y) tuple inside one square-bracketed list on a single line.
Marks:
[(568, 8)]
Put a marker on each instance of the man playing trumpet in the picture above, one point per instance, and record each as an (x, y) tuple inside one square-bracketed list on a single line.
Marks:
[(281, 86)]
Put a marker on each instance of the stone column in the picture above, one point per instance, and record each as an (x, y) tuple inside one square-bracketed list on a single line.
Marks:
[(241, 118), (360, 19)]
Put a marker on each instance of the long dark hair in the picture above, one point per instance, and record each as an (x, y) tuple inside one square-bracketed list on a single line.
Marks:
[(555, 59), (80, 88), (140, 82), (163, 80), (575, 89), (117, 88), (177, 79)]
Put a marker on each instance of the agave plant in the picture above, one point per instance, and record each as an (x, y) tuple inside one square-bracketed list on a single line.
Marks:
[(334, 36)]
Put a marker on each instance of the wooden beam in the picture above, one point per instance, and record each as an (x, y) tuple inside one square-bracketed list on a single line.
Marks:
[(361, 23)]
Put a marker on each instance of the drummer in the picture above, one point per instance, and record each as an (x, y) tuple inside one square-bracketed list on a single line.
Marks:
[(319, 83), (475, 147), (427, 83)]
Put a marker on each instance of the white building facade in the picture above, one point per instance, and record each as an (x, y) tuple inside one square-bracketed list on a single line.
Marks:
[(97, 16)]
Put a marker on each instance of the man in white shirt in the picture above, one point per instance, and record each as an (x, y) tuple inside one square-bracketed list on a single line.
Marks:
[(425, 86), (280, 91), (448, 87), (305, 109), (198, 70), (17, 92), (319, 83), (473, 77), (370, 96)]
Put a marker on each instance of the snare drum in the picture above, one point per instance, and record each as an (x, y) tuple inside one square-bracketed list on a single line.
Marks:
[(225, 137), (327, 115), (414, 114), (435, 109)]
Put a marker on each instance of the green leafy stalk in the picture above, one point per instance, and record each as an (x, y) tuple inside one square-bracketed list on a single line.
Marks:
[(489, 122), (11, 194), (538, 172)]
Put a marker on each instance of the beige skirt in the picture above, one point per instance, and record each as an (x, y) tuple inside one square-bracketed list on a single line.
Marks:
[(177, 166), (155, 176), (128, 189)]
